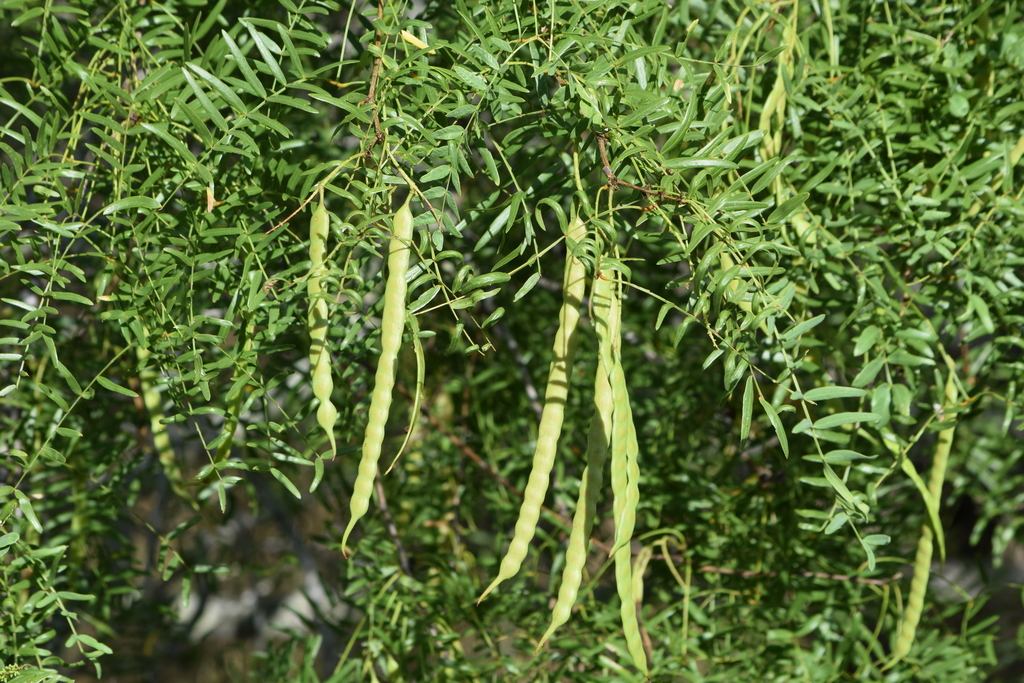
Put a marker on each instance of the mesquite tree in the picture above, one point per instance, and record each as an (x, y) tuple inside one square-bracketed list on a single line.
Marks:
[(714, 305)]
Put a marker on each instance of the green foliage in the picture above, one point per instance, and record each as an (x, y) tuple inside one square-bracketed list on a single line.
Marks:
[(812, 202)]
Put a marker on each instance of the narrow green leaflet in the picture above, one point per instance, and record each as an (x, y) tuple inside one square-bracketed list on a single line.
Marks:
[(219, 87), (266, 48), (243, 66), (840, 419), (797, 330), (472, 79), (788, 208), (867, 339), (840, 488), (117, 388), (280, 476), (131, 203), (699, 163), (829, 393), (773, 417), (204, 101), (748, 408), (30, 514), (527, 286)]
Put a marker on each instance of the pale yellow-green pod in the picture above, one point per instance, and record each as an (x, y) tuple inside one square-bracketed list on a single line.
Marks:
[(624, 580), (923, 557), (915, 600), (597, 453), (391, 328), (555, 396), (319, 352), (625, 476)]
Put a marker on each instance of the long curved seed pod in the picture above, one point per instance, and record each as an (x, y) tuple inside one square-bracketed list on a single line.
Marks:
[(597, 454), (555, 395), (319, 353), (923, 558), (391, 328), (625, 473), (619, 432)]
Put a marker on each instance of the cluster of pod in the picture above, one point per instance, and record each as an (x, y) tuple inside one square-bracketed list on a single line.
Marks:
[(612, 433), (392, 327)]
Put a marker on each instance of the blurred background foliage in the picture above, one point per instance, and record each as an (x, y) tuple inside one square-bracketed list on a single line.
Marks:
[(805, 194)]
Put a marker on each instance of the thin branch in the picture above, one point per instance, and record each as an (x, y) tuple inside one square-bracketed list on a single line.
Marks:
[(653, 195), (377, 40), (374, 76), (750, 574), (382, 505)]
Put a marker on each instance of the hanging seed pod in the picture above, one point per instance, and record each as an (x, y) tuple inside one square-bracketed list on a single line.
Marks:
[(392, 326), (555, 395), (597, 454), (319, 353)]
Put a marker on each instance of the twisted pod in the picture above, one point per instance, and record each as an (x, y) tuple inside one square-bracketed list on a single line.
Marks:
[(319, 353)]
